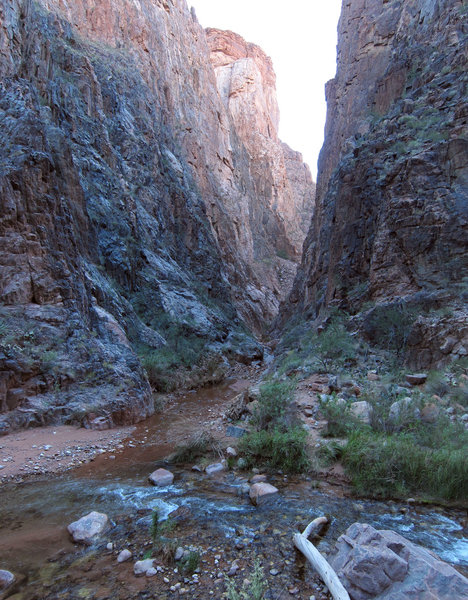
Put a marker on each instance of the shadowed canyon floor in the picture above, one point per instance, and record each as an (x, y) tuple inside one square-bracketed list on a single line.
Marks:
[(209, 515)]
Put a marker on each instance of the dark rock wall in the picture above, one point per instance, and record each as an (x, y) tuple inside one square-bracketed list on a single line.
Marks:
[(391, 218), (116, 168)]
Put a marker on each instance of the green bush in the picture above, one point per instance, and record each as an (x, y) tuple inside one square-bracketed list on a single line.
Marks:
[(253, 588), (388, 326), (340, 420), (191, 562), (335, 343), (275, 449), (274, 405), (384, 465)]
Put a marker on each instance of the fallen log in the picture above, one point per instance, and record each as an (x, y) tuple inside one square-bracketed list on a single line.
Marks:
[(328, 575)]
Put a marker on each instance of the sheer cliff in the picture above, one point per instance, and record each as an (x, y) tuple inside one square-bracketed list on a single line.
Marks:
[(132, 231), (391, 223)]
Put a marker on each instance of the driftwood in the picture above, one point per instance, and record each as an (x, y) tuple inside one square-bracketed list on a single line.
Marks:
[(319, 563)]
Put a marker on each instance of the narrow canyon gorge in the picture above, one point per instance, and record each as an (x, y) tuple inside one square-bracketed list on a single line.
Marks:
[(202, 348)]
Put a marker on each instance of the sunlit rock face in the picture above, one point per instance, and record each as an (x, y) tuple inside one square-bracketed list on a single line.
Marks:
[(277, 189), (391, 213), (128, 201)]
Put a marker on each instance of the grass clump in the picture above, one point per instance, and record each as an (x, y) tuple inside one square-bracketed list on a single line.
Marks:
[(191, 562), (396, 465), (198, 446), (275, 449), (164, 547), (252, 589)]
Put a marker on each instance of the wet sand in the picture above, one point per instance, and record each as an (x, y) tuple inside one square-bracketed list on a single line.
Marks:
[(55, 449)]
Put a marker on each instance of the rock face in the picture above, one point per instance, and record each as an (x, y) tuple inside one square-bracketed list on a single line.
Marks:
[(280, 205), (128, 211), (390, 224), (382, 565)]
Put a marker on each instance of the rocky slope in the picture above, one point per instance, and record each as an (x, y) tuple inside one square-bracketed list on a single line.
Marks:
[(130, 224), (390, 226)]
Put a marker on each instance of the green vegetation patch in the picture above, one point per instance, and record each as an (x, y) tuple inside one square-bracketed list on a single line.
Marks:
[(394, 465), (275, 449)]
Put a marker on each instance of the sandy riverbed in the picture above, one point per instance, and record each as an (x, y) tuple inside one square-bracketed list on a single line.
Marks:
[(55, 449)]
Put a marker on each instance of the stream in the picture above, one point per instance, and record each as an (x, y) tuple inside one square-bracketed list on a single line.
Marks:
[(34, 516)]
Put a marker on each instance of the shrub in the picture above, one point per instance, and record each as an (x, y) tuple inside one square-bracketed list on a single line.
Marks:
[(199, 445), (285, 450), (191, 562), (274, 404), (437, 383), (335, 343), (389, 325), (253, 589), (337, 412)]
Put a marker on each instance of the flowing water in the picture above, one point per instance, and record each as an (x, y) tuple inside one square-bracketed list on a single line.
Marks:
[(33, 516)]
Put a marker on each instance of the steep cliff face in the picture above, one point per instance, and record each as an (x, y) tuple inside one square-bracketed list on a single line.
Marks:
[(391, 220), (276, 188), (118, 186), (283, 192)]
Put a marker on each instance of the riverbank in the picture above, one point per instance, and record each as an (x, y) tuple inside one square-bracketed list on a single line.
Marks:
[(51, 450)]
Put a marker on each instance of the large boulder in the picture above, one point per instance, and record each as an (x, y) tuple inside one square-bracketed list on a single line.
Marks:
[(89, 527), (383, 565), (214, 468), (261, 492), (161, 477), (362, 410)]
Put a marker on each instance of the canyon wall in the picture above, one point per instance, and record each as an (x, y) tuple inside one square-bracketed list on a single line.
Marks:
[(391, 219), (136, 219)]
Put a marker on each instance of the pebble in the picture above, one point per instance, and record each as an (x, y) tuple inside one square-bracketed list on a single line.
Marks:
[(124, 555), (110, 546), (151, 572), (233, 570), (274, 572)]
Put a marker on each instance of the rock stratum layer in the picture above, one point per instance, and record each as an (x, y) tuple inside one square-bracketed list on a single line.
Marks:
[(135, 204), (391, 219)]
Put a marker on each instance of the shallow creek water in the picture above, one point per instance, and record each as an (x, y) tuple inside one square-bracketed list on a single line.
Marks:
[(33, 516)]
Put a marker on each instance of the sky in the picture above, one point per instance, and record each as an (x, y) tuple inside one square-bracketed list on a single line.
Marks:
[(300, 36)]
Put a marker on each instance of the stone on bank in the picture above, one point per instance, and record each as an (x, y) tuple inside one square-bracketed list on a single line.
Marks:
[(262, 492), (161, 477), (89, 527)]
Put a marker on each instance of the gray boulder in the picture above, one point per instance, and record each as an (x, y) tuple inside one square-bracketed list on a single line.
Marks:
[(362, 410), (161, 477), (142, 567), (6, 580), (215, 468), (261, 492), (383, 565), (89, 527)]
